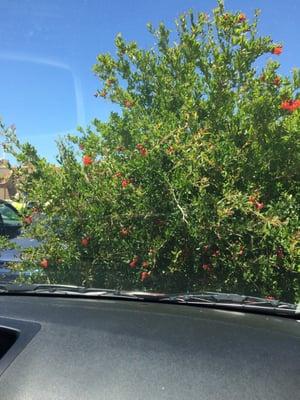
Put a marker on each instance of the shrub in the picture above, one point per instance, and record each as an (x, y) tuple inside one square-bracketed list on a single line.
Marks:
[(193, 184)]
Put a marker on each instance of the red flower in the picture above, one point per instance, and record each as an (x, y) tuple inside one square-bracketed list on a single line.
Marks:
[(241, 252), (145, 275), (290, 105), (145, 264), (28, 220), (144, 152), (277, 50), (87, 160), (279, 253), (44, 263), (286, 105), (206, 267), (125, 182), (85, 241), (242, 17), (259, 206), (133, 262), (277, 81), (128, 103), (270, 298), (124, 232)]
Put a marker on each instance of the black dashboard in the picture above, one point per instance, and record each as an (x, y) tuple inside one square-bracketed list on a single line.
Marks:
[(71, 348)]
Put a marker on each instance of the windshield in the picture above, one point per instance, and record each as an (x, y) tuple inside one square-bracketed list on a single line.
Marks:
[(152, 147)]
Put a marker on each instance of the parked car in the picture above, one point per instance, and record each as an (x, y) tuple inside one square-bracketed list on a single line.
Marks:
[(10, 220), (11, 226)]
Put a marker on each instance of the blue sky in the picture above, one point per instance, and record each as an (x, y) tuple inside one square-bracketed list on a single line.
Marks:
[(47, 50)]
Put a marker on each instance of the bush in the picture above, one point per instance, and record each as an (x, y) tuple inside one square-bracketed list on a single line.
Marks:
[(193, 185)]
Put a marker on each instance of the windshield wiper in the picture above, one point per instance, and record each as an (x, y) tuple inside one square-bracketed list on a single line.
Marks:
[(72, 290), (228, 301), (235, 302)]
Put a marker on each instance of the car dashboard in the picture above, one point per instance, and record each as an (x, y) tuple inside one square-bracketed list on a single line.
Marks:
[(73, 348)]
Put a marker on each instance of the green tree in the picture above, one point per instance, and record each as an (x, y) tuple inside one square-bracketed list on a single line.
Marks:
[(193, 184)]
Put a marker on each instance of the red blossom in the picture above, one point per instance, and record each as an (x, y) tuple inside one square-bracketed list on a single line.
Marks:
[(28, 220), (133, 262), (85, 241), (125, 183), (270, 298), (285, 105), (128, 103), (124, 232), (277, 50), (44, 263), (277, 81), (143, 151), (259, 206), (206, 267), (241, 252), (242, 17), (87, 160), (145, 275), (279, 253), (290, 105)]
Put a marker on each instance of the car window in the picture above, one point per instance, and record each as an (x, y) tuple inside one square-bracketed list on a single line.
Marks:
[(9, 216)]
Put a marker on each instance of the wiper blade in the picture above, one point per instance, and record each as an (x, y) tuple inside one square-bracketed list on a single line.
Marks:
[(234, 301), (228, 301), (48, 289)]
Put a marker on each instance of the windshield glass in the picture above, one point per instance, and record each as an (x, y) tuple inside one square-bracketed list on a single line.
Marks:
[(152, 147)]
